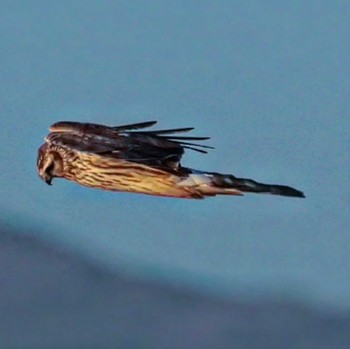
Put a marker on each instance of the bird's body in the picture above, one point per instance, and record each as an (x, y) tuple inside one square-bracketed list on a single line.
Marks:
[(148, 162)]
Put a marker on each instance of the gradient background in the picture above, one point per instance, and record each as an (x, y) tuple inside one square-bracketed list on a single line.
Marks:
[(268, 82)]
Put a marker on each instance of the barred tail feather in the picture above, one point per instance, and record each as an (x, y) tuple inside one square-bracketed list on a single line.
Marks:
[(251, 186), (210, 183)]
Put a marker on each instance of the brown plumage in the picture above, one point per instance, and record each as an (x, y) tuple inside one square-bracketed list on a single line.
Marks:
[(123, 158)]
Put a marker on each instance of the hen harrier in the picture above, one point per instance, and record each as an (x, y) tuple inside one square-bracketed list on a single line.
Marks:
[(148, 162)]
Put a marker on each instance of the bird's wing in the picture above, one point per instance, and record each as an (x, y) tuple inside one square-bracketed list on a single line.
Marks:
[(154, 148)]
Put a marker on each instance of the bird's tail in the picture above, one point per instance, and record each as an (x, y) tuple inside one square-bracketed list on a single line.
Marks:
[(211, 183)]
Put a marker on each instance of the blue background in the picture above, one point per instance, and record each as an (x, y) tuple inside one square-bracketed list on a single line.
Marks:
[(269, 82)]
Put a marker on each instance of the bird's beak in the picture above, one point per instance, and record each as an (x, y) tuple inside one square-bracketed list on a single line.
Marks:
[(46, 178)]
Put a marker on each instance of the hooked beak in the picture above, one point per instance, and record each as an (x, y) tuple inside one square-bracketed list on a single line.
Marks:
[(46, 178)]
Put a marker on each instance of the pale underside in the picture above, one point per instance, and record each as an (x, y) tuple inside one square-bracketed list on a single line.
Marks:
[(120, 175)]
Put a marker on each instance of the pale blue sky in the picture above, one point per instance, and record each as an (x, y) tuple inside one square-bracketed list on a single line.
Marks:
[(269, 82)]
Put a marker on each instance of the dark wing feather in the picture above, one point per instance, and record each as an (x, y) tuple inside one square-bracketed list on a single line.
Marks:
[(87, 143), (195, 145), (142, 147), (79, 127), (179, 139), (186, 138), (173, 130)]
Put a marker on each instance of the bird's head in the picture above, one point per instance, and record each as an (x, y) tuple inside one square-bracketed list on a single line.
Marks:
[(49, 164)]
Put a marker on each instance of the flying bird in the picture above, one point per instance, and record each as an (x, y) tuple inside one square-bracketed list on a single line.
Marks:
[(128, 158)]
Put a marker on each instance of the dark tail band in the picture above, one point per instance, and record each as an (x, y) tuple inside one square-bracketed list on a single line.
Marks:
[(249, 185)]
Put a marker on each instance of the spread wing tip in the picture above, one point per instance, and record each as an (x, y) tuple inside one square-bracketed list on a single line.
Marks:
[(169, 131)]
